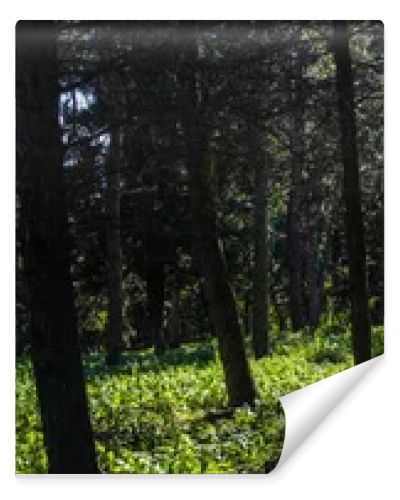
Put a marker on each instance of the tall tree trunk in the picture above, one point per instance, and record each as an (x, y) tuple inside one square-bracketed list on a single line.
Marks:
[(55, 349), (260, 320), (155, 274), (294, 229), (175, 322), (114, 256), (155, 277), (360, 326), (296, 290), (313, 280), (314, 264), (247, 316), (217, 287)]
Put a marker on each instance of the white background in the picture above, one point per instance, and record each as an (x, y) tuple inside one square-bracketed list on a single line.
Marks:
[(355, 452)]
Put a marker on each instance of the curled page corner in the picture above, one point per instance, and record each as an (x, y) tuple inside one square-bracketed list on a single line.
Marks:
[(306, 408)]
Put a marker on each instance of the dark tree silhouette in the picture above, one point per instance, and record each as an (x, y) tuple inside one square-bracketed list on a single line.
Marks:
[(114, 257), (260, 311), (296, 197), (360, 326), (217, 286), (54, 338)]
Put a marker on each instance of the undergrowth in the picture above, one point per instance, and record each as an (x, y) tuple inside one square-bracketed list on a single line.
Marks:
[(166, 414)]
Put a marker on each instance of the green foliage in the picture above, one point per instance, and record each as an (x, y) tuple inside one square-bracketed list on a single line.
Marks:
[(96, 320), (30, 454), (377, 341), (169, 415)]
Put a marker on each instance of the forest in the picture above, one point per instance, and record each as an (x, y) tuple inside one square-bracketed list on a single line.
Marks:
[(199, 231)]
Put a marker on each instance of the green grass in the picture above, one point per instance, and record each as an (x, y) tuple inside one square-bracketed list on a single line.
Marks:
[(161, 415)]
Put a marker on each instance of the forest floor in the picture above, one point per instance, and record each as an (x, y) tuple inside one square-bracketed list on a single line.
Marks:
[(168, 414)]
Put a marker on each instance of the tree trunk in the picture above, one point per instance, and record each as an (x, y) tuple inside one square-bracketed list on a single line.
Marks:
[(55, 350), (296, 288), (260, 320), (294, 229), (114, 256), (360, 327), (314, 264), (217, 287), (313, 279), (155, 278), (247, 326), (175, 333)]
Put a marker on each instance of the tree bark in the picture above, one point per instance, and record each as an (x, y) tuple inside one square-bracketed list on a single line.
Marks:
[(155, 278), (314, 276), (55, 349), (296, 290), (247, 316), (175, 322), (217, 287), (260, 319), (314, 261), (114, 255), (294, 229), (360, 326)]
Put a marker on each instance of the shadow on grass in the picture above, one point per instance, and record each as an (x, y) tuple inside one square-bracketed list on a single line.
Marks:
[(147, 361)]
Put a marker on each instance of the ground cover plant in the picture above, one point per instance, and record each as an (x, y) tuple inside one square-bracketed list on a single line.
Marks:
[(168, 414)]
